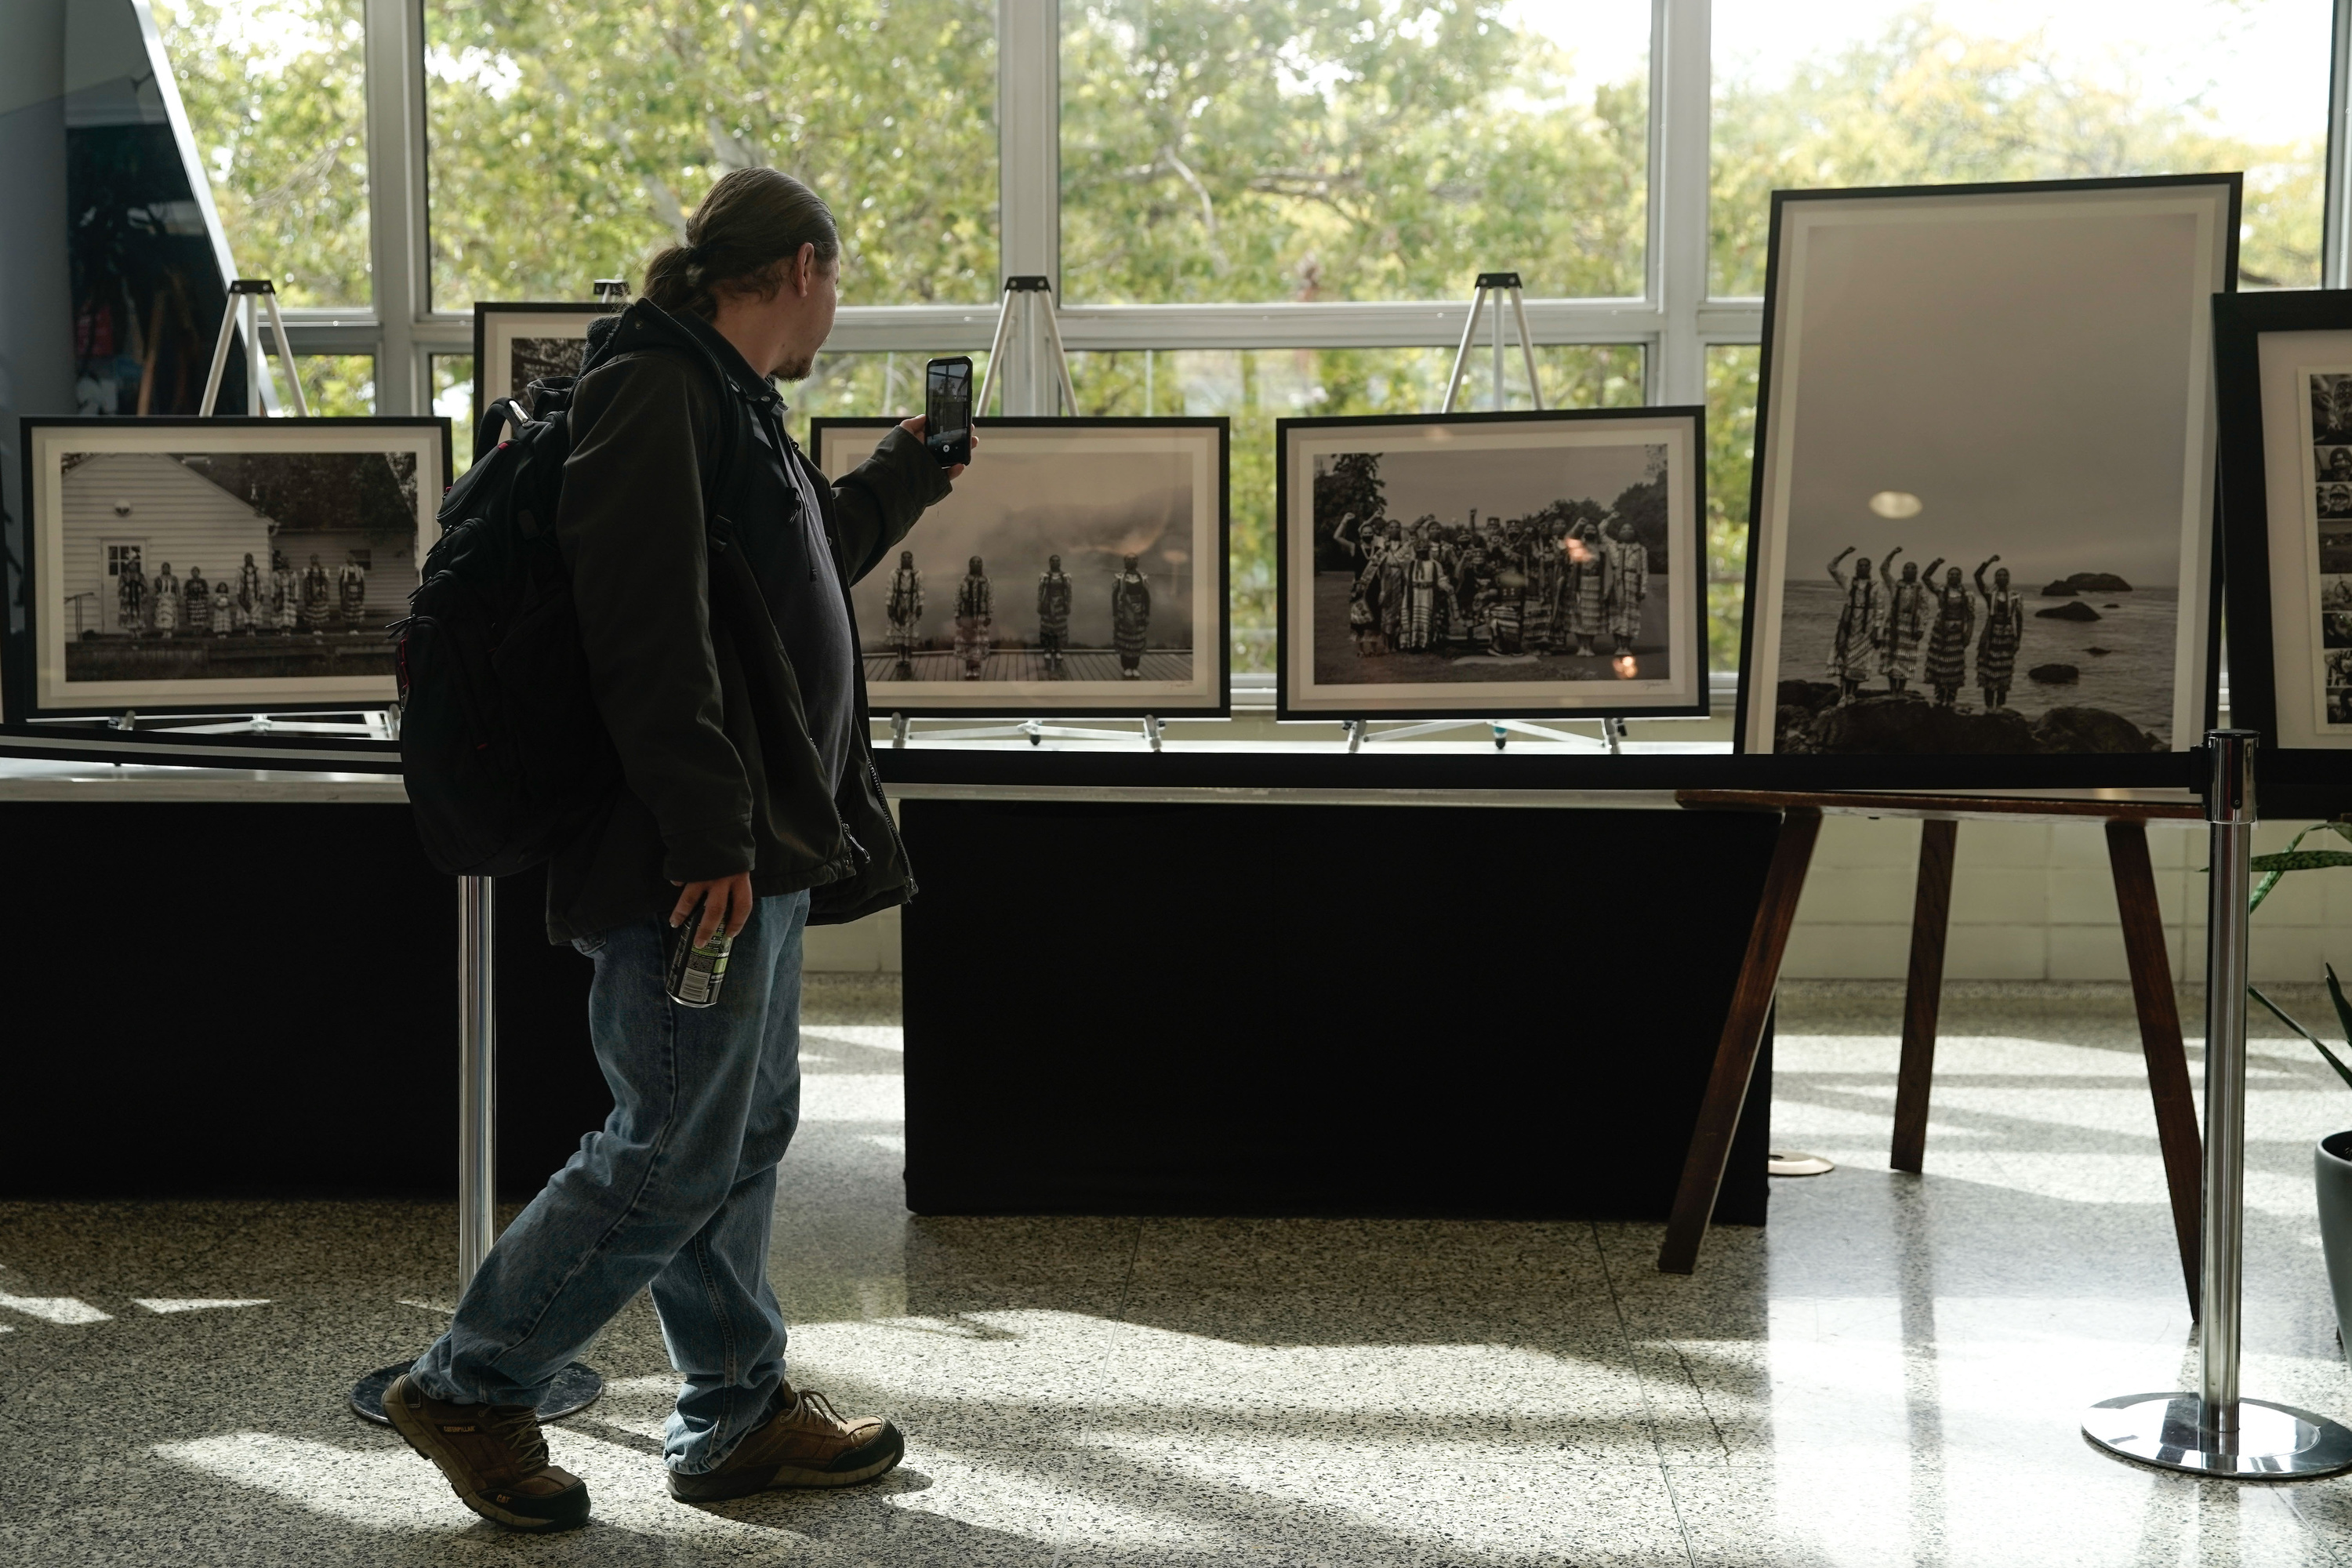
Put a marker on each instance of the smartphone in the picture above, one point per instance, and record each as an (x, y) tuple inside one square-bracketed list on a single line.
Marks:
[(946, 409)]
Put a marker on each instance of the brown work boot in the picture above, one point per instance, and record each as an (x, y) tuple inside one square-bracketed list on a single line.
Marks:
[(493, 1454), (805, 1442)]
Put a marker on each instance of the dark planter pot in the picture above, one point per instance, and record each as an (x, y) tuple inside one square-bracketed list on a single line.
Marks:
[(2332, 1165)]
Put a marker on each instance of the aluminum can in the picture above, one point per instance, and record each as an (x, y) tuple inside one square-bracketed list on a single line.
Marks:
[(697, 971)]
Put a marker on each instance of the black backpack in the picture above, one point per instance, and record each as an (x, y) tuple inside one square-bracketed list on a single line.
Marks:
[(504, 754)]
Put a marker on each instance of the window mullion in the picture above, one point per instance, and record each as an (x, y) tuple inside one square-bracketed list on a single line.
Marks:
[(1681, 79), (1029, 178), (396, 195)]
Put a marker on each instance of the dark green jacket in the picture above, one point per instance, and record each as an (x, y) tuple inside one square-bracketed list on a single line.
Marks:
[(718, 773)]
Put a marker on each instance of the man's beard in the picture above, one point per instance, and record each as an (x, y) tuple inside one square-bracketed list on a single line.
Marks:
[(796, 368)]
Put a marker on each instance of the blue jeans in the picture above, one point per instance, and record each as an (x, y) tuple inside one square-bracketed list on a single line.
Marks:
[(678, 1190)]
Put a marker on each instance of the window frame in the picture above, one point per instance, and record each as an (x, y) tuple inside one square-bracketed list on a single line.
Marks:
[(1674, 320)]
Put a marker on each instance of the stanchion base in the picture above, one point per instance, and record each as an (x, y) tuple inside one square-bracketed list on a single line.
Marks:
[(575, 1388), (2273, 1443), (1796, 1162)]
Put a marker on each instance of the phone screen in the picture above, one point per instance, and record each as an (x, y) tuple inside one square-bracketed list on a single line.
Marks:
[(947, 410)]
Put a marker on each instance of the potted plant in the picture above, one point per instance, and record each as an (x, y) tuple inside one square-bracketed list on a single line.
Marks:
[(2332, 1158)]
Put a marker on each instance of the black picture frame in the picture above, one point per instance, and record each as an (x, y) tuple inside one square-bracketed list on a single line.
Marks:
[(2275, 618), (42, 689), (1568, 699), (1211, 590), (494, 320), (2198, 608)]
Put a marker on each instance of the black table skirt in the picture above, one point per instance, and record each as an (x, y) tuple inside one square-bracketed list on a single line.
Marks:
[(1298, 1010), (227, 999)]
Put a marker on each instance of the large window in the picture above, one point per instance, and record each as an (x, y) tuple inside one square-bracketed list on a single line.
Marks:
[(1242, 197), (1887, 93), (1250, 149), (569, 138), (275, 92)]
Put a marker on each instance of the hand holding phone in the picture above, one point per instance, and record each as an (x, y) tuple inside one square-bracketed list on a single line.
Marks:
[(946, 410)]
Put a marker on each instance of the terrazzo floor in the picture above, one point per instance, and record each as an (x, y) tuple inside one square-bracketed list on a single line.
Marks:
[(1891, 1372)]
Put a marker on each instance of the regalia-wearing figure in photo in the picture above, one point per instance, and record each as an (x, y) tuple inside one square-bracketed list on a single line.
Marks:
[(1545, 561), (131, 594), (975, 615), (316, 592), (1472, 623), (167, 601), (2004, 629), (1424, 591), (1391, 586), (1130, 618), (1947, 639), (1053, 613), (196, 602), (250, 590), (904, 609), (224, 609), (1584, 604), (285, 593), (1908, 613), (351, 590), (1628, 583), (1364, 593), (1858, 628)]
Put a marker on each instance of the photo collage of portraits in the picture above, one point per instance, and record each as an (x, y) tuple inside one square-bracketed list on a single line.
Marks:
[(2330, 521)]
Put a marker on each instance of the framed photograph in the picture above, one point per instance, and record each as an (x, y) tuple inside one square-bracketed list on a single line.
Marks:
[(1491, 565), (204, 565), (1984, 475), (1079, 567), (517, 343), (2283, 367)]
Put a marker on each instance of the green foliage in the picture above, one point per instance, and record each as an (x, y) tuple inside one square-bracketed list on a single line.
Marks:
[(570, 138), (1925, 103), (1338, 150), (273, 89)]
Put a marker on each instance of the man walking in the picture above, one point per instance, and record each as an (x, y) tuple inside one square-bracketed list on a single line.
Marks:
[(711, 563)]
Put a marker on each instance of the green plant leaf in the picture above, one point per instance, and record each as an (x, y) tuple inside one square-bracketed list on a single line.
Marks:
[(2342, 1071), (2343, 1008), (2263, 890), (2302, 859)]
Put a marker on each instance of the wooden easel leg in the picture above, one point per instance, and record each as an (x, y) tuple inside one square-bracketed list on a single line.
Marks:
[(1923, 995), (2159, 1040), (1743, 1036)]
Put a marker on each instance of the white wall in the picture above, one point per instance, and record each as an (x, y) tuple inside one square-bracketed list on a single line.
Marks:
[(2036, 902), (2030, 901)]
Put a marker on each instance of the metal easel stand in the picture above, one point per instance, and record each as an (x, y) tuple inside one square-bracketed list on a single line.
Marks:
[(1034, 730), (577, 1386), (245, 298), (1489, 294), (1029, 294), (1032, 296), (1612, 741), (2215, 1431)]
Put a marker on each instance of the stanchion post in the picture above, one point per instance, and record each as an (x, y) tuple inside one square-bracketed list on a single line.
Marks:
[(578, 1384), (478, 1076), (2217, 1431)]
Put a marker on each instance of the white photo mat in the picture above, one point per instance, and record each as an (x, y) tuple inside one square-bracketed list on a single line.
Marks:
[(1198, 451), (48, 445), (2188, 315), (1684, 684)]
